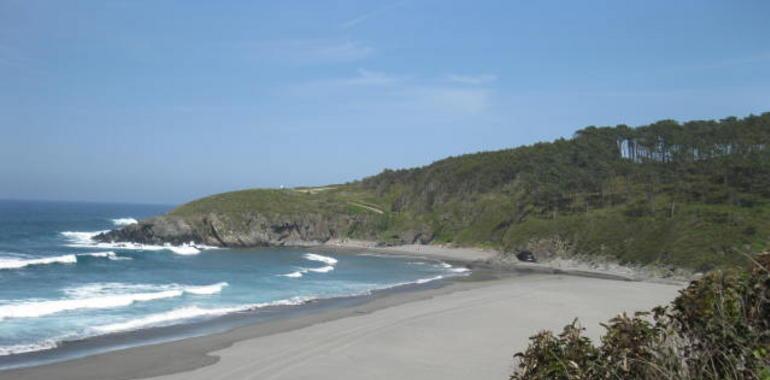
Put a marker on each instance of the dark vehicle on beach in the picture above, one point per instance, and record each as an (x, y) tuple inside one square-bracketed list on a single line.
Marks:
[(526, 256)]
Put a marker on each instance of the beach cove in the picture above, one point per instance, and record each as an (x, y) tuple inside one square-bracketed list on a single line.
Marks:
[(468, 327)]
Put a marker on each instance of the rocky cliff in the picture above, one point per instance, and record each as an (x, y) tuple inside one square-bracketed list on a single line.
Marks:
[(256, 229), (250, 231)]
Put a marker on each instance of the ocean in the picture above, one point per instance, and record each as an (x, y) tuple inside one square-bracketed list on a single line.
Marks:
[(58, 286)]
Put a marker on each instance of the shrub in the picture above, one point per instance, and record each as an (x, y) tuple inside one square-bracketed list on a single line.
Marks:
[(717, 328)]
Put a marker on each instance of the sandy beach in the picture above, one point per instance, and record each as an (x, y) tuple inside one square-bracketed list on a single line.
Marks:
[(469, 328)]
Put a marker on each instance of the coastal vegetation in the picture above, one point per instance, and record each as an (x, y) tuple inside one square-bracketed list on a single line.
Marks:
[(691, 194), (717, 328)]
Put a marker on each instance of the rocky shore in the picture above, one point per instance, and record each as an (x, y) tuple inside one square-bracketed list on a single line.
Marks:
[(252, 230), (552, 255)]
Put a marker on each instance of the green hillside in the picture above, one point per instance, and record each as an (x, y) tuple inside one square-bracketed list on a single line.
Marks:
[(691, 194)]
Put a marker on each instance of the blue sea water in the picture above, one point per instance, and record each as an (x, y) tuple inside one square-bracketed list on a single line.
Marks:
[(57, 285)]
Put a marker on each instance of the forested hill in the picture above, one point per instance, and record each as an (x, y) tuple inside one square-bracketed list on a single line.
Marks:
[(691, 194), (711, 162)]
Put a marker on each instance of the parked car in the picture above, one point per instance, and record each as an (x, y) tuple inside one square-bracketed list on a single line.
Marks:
[(526, 256)]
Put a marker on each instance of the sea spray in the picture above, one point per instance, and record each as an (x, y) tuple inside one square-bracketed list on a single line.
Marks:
[(124, 221), (85, 239)]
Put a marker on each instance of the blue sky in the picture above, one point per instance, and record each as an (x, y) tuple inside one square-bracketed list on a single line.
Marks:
[(165, 101)]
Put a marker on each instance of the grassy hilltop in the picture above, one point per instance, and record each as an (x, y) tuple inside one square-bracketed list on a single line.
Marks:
[(691, 194)]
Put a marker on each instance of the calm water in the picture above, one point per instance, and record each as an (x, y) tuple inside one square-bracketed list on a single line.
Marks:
[(57, 285)]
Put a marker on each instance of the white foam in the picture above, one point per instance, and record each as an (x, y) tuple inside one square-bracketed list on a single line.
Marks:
[(453, 268), (324, 259), (325, 269), (98, 296), (85, 239), (190, 312), (98, 289), (82, 237), (430, 279), (33, 309), (107, 255), (184, 249), (293, 301), (398, 284), (329, 261), (25, 348), (302, 271), (206, 289), (15, 263), (124, 221), (161, 319)]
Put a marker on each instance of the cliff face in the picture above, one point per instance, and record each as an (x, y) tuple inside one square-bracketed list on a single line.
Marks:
[(252, 230)]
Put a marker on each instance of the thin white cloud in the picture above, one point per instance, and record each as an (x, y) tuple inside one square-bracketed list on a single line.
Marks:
[(361, 80), (357, 20), (384, 92), (472, 79), (360, 19), (309, 51), (370, 78)]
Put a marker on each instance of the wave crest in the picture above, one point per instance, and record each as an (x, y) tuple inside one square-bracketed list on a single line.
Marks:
[(191, 312), (14, 263), (30, 347), (324, 259), (85, 239), (18, 263), (102, 296), (124, 221)]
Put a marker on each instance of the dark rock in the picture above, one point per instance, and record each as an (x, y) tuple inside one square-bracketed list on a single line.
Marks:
[(526, 256), (254, 230)]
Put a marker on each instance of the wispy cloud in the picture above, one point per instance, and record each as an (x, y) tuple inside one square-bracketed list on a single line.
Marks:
[(369, 78), (385, 92), (360, 19), (472, 79), (309, 51)]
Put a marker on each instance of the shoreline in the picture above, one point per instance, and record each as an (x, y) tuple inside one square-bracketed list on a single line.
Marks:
[(195, 352), (464, 255), (490, 259), (197, 348)]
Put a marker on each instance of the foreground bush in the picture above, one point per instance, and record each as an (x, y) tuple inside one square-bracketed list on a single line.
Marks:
[(717, 328)]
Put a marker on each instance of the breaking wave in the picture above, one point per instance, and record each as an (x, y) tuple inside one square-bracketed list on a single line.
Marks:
[(124, 221), (30, 347), (296, 274), (102, 296), (191, 312), (330, 261), (324, 259), (17, 263), (84, 239)]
